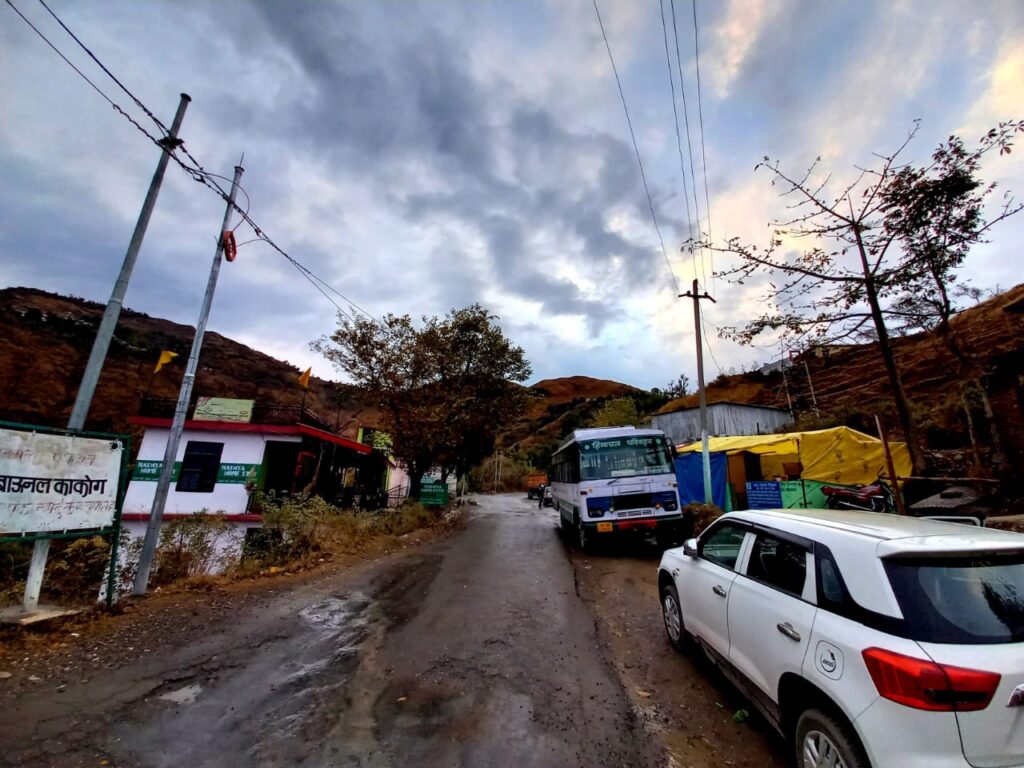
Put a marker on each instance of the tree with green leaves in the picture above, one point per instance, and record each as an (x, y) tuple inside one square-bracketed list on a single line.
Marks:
[(620, 412), (446, 388), (841, 264)]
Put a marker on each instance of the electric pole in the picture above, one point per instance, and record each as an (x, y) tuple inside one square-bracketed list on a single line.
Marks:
[(105, 333), (181, 409), (705, 451), (94, 367)]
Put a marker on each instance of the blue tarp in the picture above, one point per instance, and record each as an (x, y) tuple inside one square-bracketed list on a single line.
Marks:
[(690, 475)]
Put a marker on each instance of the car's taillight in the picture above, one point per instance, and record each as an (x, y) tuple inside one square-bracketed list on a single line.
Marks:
[(926, 685)]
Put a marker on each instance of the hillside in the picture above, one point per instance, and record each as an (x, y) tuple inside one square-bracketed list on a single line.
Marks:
[(557, 406), (47, 340), (849, 383)]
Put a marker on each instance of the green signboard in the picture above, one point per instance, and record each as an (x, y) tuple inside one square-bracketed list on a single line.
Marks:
[(231, 474), (433, 493)]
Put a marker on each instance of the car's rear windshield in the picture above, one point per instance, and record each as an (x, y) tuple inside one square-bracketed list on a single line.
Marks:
[(963, 600)]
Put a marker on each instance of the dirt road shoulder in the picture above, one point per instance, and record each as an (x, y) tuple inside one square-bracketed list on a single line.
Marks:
[(700, 720)]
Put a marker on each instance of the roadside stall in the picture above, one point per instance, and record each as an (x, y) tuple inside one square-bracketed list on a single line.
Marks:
[(785, 470)]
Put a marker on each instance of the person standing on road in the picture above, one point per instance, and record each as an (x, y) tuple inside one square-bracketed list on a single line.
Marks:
[(540, 496)]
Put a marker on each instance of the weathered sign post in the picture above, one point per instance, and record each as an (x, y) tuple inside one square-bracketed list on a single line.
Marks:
[(59, 484)]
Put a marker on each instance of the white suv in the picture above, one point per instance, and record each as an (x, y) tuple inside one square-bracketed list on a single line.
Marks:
[(868, 639)]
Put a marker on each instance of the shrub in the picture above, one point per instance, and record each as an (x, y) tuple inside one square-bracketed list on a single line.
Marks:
[(292, 527), (75, 570), (191, 546), (703, 515)]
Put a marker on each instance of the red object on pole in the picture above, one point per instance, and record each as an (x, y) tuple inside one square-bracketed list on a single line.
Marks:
[(230, 246)]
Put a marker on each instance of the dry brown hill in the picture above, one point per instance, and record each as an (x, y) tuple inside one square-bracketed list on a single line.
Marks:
[(557, 406), (850, 386), (47, 338)]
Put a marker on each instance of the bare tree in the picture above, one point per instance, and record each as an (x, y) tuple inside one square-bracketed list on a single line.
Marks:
[(937, 212), (838, 263), (679, 387)]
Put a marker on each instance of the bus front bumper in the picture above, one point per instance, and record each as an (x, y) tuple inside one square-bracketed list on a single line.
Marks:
[(639, 525)]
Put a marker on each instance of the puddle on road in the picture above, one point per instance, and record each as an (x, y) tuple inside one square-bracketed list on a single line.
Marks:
[(337, 614), (185, 695), (343, 623)]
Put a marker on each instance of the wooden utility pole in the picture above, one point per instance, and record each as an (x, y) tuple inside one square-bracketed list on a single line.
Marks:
[(705, 451)]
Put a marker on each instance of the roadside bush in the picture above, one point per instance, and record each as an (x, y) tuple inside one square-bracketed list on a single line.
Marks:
[(75, 570), (703, 515), (193, 545), (292, 527), (401, 520)]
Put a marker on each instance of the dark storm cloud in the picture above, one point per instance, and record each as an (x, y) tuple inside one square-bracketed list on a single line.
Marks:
[(413, 100)]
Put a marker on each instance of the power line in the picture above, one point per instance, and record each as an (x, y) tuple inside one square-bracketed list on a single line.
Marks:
[(196, 171), (700, 112), (67, 61), (707, 343), (675, 115), (100, 64), (689, 143), (636, 148)]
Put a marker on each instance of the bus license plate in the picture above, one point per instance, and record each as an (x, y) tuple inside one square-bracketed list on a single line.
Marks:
[(604, 527)]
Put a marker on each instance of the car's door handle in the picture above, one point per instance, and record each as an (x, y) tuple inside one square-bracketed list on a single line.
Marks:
[(719, 590), (788, 631)]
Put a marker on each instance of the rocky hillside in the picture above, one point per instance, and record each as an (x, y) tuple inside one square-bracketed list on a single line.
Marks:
[(46, 342)]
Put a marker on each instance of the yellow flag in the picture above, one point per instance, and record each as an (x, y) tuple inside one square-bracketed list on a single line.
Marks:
[(165, 357), (304, 378)]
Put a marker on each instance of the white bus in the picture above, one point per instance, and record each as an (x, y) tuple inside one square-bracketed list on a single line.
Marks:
[(616, 479)]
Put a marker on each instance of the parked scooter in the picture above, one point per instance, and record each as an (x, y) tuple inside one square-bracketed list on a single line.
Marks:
[(876, 497)]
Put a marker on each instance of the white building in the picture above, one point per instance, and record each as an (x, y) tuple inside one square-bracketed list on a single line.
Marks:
[(724, 419), (221, 464)]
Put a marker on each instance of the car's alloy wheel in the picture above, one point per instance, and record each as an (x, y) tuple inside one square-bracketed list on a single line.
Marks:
[(673, 621), (824, 741), (820, 752)]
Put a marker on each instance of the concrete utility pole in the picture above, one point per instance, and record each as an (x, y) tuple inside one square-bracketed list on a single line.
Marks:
[(181, 409), (101, 344), (705, 452), (91, 377)]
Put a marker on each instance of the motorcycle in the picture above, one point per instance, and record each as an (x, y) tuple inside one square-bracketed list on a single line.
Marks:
[(876, 497)]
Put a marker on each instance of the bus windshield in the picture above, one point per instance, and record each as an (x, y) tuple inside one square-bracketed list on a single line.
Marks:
[(624, 457)]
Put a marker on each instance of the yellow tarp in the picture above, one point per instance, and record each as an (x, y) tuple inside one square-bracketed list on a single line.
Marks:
[(839, 455)]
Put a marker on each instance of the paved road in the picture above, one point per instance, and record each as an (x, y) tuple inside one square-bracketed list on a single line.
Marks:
[(472, 651)]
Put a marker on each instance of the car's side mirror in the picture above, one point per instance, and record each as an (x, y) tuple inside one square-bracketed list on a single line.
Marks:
[(690, 547)]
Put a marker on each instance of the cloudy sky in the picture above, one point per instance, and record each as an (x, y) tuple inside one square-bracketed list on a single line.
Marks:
[(423, 156)]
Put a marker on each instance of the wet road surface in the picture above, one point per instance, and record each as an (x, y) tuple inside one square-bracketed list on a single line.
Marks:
[(471, 651)]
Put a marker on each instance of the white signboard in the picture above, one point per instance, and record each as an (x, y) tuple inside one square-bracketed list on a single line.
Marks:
[(57, 482)]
